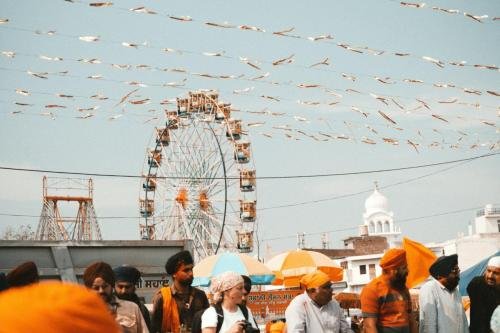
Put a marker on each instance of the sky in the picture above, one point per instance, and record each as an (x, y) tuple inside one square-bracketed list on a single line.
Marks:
[(322, 88)]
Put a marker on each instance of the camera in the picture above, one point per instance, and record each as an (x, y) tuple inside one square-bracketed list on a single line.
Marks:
[(248, 328)]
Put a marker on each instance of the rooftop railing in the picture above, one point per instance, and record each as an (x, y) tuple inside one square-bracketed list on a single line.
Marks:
[(488, 211)]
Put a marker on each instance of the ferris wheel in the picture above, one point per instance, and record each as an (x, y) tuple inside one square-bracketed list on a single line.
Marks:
[(199, 180)]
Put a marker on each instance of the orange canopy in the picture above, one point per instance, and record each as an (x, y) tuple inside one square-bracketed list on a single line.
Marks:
[(291, 266), (349, 300)]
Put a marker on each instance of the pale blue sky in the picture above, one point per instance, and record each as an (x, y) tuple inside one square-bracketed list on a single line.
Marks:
[(98, 145)]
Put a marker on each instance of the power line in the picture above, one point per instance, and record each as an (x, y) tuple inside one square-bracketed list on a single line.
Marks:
[(398, 222), (348, 195), (260, 178), (285, 205), (283, 237)]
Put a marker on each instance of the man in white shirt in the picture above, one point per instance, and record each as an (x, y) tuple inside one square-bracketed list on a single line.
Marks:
[(315, 311), (440, 302)]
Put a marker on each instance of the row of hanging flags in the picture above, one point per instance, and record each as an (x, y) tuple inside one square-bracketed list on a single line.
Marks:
[(384, 119)]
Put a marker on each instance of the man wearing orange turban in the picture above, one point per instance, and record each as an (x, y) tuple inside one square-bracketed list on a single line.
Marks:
[(385, 301), (54, 307), (315, 310)]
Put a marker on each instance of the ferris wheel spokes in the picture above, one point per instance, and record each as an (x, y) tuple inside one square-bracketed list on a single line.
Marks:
[(199, 180)]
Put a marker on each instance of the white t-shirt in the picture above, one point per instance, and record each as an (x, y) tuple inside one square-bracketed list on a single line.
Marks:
[(209, 318)]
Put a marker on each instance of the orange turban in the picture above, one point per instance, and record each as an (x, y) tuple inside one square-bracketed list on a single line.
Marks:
[(315, 279), (277, 327), (54, 307), (393, 259)]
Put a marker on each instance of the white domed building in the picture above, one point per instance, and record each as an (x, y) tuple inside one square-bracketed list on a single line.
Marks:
[(379, 220)]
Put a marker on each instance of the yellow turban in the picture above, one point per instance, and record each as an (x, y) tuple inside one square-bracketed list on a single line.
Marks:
[(54, 307), (393, 259), (315, 279), (277, 327)]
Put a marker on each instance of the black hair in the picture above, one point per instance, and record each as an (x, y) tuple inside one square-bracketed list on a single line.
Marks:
[(173, 263), (247, 283)]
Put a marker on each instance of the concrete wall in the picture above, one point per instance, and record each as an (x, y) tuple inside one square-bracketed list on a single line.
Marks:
[(67, 260), (473, 249)]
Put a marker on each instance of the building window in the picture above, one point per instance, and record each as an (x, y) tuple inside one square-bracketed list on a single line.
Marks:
[(362, 269), (498, 223), (371, 271)]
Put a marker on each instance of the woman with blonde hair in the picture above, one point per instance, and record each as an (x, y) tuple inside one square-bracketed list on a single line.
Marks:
[(227, 315)]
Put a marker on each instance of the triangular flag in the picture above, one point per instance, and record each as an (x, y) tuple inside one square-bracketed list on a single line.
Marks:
[(419, 259)]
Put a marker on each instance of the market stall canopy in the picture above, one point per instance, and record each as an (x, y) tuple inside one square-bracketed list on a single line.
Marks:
[(290, 266), (235, 262), (476, 270), (349, 300)]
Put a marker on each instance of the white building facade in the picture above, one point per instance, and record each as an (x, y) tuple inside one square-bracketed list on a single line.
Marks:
[(379, 220), (359, 270), (482, 240)]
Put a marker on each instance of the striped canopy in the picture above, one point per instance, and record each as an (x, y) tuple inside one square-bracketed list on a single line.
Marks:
[(236, 262)]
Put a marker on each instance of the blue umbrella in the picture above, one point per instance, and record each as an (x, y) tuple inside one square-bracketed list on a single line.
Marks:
[(470, 273), (235, 262)]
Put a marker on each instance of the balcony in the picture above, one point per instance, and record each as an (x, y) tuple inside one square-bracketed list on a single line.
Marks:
[(488, 210)]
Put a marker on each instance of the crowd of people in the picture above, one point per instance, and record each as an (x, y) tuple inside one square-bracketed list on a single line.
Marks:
[(107, 302)]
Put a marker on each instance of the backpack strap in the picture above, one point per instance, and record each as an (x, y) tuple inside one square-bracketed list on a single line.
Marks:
[(196, 322), (220, 316), (244, 310)]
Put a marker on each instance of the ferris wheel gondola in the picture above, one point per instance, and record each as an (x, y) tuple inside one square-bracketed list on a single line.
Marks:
[(199, 180)]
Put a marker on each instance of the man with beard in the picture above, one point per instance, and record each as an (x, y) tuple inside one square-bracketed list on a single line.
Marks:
[(315, 311), (99, 277), (385, 301), (126, 277), (484, 293), (174, 306), (440, 302)]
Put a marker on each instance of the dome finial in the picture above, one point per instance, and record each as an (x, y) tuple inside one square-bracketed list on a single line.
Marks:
[(376, 201)]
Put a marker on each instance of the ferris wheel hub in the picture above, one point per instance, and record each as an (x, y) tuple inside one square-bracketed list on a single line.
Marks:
[(182, 197)]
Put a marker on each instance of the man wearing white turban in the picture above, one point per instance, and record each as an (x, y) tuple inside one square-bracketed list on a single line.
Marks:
[(484, 294)]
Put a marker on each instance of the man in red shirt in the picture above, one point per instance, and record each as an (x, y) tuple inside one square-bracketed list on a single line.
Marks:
[(385, 301)]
